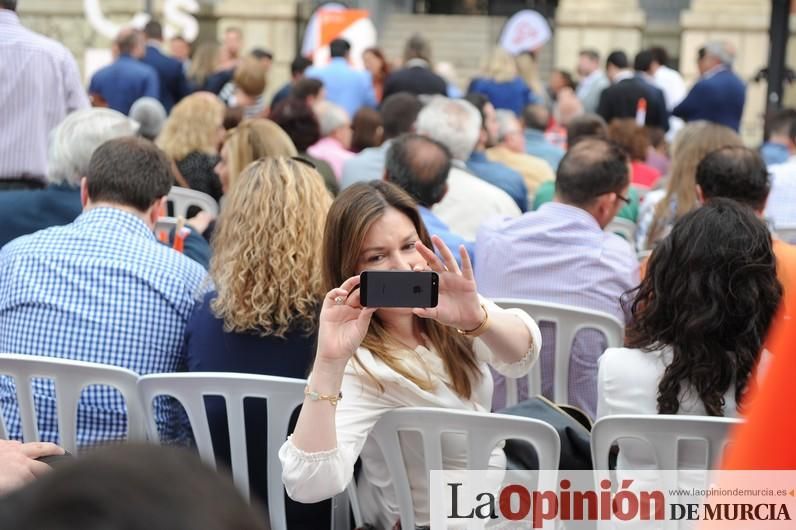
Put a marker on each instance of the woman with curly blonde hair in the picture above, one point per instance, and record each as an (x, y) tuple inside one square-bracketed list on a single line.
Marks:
[(191, 137), (262, 317)]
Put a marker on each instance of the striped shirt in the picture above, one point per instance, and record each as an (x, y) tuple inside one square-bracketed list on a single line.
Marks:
[(102, 290), (558, 254), (39, 85)]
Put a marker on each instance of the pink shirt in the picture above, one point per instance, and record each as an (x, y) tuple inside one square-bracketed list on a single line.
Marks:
[(332, 152)]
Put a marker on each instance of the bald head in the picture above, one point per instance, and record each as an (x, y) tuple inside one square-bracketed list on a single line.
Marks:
[(130, 41), (535, 117), (419, 165), (591, 168)]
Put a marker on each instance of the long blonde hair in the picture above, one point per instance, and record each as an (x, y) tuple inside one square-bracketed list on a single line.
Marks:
[(205, 62), (253, 139), (266, 261), (352, 214), (691, 144), (501, 66), (193, 125)]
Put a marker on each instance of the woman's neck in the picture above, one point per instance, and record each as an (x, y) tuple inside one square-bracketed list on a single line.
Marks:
[(405, 330)]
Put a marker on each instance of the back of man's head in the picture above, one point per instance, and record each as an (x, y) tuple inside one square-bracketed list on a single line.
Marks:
[(535, 117), (299, 64), (586, 126), (420, 166), (8, 4), (130, 172), (720, 51), (127, 40), (307, 87), (782, 122), (339, 48), (131, 487), (455, 123), (399, 113), (660, 55), (643, 61), (417, 47), (250, 75), (153, 30), (591, 168), (150, 114), (734, 172), (591, 54), (77, 137), (618, 59)]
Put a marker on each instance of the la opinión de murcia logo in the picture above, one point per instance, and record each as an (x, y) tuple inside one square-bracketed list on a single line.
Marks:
[(516, 502), (177, 17)]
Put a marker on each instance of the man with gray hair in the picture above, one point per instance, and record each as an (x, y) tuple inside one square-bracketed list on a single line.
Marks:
[(470, 201), (150, 115), (41, 85), (719, 95), (74, 140), (335, 143)]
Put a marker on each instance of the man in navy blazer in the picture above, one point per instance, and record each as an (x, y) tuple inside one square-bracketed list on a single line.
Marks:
[(173, 84), (719, 95)]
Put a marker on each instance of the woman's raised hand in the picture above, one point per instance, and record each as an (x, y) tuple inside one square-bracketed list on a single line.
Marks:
[(458, 305), (343, 323)]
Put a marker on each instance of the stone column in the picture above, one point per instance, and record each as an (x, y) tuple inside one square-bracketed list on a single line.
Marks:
[(744, 24), (604, 25), (269, 24)]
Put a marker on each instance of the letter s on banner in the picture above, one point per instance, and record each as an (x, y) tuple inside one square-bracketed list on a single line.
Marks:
[(176, 14)]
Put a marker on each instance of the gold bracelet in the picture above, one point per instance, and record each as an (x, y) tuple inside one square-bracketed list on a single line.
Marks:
[(482, 327), (315, 396)]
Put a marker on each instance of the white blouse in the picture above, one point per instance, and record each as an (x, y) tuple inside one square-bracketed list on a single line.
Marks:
[(311, 477)]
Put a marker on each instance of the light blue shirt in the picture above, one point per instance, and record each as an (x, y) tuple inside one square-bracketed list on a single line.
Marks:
[(102, 290), (437, 227), (558, 254), (537, 145), (366, 166), (345, 86)]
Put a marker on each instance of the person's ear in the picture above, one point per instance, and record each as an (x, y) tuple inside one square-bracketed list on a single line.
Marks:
[(157, 210), (700, 195), (84, 200)]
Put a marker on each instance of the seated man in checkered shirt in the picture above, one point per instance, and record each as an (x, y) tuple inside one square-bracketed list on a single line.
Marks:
[(101, 289)]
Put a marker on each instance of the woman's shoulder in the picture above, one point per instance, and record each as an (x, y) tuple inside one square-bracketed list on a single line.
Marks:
[(634, 362)]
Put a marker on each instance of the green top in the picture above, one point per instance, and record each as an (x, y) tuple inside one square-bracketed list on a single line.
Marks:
[(546, 191)]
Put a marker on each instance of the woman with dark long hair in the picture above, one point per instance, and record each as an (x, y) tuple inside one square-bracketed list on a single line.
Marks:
[(699, 320)]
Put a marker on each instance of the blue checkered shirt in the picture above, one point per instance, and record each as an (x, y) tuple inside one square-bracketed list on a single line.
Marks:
[(102, 290)]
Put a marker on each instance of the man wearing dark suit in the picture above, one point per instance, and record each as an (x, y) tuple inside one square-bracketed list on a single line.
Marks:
[(620, 100), (173, 84), (416, 76), (719, 95)]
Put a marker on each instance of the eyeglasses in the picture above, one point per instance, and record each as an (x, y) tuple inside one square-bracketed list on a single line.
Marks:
[(304, 161), (625, 199)]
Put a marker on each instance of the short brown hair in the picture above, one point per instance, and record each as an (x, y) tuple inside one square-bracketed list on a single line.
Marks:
[(250, 76)]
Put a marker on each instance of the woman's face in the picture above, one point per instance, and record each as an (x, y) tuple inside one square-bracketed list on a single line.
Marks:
[(222, 168), (390, 245), (372, 63)]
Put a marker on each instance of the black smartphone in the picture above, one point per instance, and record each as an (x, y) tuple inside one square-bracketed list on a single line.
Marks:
[(398, 289)]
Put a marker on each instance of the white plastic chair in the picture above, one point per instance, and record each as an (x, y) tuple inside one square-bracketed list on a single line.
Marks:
[(69, 378), (623, 228), (483, 430), (283, 395), (663, 433), (786, 233), (568, 321), (184, 198), (165, 224)]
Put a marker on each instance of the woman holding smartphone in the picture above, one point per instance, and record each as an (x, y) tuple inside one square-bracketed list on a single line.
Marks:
[(370, 361)]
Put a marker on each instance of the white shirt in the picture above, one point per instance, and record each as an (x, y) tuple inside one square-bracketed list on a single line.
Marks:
[(470, 201), (590, 88), (672, 84), (311, 477), (780, 208), (39, 85)]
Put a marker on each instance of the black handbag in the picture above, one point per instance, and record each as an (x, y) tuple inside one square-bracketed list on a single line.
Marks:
[(573, 427)]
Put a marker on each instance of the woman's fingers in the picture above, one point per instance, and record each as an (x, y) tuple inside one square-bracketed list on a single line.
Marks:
[(432, 259), (350, 283), (467, 264), (39, 449), (447, 255), (425, 312)]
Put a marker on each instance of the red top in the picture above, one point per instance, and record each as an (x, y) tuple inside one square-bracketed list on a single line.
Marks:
[(643, 175)]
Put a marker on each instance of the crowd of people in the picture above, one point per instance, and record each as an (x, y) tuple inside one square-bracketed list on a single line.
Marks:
[(507, 189)]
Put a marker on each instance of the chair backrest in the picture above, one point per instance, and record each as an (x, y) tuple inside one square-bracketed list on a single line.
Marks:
[(184, 198), (568, 320), (69, 378), (282, 394), (623, 228), (786, 233), (483, 430), (165, 225), (663, 433)]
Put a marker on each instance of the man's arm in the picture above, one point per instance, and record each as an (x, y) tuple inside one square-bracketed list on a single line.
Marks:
[(688, 107), (75, 95)]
